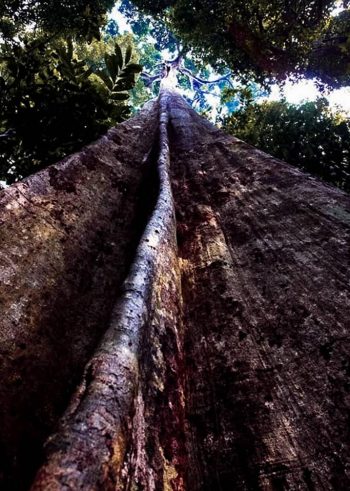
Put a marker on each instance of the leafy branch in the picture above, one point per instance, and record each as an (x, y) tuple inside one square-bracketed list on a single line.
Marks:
[(54, 101), (119, 74)]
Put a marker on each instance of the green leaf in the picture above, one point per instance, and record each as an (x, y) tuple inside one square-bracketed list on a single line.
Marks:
[(133, 68), (66, 71), (104, 76), (125, 74), (112, 66), (69, 48), (86, 74), (128, 54), (119, 96), (119, 56)]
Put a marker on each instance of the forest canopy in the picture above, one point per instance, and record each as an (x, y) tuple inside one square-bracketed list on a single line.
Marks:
[(67, 75), (260, 39), (64, 81)]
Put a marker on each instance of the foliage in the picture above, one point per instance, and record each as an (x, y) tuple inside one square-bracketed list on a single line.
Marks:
[(52, 102), (330, 58), (58, 95), (143, 25), (74, 17), (260, 38), (309, 136)]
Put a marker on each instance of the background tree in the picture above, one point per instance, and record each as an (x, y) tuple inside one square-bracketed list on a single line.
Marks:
[(144, 25), (330, 56), (310, 136), (62, 86), (53, 101)]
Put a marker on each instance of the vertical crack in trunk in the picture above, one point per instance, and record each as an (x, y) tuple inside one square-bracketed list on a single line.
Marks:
[(123, 424)]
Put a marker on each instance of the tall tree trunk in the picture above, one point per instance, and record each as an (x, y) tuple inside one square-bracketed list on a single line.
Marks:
[(222, 360)]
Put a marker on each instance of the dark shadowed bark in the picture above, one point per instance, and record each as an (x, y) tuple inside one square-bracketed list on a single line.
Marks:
[(221, 362), (68, 235)]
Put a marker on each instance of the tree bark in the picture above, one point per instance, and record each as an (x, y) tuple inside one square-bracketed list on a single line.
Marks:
[(221, 362), (68, 235), (264, 251)]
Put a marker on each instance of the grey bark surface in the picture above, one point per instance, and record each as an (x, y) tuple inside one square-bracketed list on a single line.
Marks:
[(220, 362)]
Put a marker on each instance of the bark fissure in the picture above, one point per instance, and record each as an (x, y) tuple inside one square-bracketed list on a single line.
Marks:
[(116, 398)]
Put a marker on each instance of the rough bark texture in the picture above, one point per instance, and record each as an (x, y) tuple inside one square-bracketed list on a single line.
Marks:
[(222, 361), (68, 235), (264, 253)]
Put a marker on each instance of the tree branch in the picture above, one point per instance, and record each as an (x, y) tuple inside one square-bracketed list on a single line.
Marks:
[(202, 81), (8, 134), (149, 79)]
